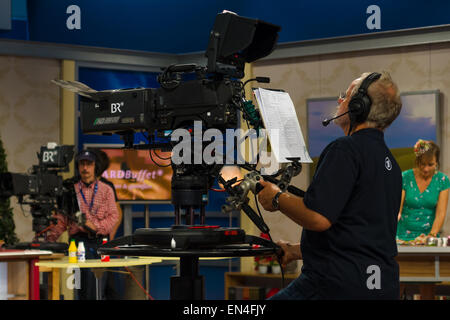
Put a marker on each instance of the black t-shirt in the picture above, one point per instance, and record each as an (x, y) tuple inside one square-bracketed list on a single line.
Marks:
[(357, 186)]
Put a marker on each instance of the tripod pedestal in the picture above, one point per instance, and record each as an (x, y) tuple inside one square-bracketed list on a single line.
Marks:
[(189, 285)]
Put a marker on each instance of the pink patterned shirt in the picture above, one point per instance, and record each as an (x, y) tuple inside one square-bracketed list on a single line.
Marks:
[(99, 206)]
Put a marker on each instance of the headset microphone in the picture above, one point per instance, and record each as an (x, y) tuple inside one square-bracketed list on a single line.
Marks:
[(327, 121)]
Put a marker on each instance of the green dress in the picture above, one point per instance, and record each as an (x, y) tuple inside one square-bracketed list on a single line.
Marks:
[(419, 208)]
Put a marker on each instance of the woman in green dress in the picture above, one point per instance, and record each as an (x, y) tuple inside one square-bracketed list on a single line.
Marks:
[(424, 195)]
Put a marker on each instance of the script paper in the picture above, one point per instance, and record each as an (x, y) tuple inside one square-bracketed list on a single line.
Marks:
[(75, 86), (281, 123)]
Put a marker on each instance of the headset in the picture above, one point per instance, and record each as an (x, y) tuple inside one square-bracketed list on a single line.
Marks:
[(359, 105)]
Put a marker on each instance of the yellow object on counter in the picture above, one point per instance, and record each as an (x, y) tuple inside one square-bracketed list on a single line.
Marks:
[(97, 263), (73, 252)]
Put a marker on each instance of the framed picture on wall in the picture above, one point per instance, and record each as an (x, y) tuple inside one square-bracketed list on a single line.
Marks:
[(318, 136), (419, 119)]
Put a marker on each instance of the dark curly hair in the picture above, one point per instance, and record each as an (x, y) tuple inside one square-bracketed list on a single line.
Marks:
[(101, 161)]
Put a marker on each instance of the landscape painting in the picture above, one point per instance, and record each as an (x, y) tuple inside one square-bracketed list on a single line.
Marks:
[(419, 119)]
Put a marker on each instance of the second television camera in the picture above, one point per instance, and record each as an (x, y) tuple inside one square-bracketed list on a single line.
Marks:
[(44, 190)]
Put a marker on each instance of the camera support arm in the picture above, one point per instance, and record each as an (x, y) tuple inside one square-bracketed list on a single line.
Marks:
[(238, 199)]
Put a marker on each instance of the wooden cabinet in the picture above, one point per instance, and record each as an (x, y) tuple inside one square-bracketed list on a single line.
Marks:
[(18, 280)]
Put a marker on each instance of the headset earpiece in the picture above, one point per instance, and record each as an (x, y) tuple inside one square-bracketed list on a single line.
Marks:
[(360, 103)]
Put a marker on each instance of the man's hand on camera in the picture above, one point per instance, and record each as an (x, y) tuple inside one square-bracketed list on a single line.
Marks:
[(90, 225), (290, 252), (265, 196)]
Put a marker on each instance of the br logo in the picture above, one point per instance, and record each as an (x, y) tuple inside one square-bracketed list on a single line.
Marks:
[(48, 156)]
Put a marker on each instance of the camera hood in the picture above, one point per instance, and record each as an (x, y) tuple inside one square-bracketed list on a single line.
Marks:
[(236, 40)]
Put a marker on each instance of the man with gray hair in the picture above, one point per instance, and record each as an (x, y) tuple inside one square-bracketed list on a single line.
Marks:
[(349, 212)]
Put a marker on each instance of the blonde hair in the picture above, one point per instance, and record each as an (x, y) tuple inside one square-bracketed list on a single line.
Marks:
[(426, 150)]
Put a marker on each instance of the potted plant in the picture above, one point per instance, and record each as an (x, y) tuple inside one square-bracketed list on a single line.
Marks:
[(7, 226), (275, 267), (262, 264)]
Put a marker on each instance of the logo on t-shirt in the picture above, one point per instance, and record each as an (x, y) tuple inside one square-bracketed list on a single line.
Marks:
[(388, 163)]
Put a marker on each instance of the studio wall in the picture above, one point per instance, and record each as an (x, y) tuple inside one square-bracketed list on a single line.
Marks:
[(29, 118)]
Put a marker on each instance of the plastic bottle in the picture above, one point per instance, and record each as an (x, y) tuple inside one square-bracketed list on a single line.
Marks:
[(81, 253), (73, 252), (104, 258)]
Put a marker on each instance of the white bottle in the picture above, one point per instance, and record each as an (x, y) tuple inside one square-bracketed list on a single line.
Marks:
[(81, 253)]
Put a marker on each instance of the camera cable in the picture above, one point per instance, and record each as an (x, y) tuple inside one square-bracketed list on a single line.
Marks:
[(278, 256), (137, 282)]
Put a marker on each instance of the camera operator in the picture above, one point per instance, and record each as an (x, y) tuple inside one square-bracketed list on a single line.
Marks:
[(349, 212), (97, 202), (103, 164)]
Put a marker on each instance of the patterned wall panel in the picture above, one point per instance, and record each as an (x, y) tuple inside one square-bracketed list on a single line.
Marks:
[(29, 118)]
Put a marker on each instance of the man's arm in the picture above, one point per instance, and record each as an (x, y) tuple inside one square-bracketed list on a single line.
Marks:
[(90, 225), (119, 208), (293, 207), (119, 221), (56, 230)]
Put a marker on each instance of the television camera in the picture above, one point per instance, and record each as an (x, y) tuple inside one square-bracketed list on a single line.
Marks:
[(213, 95), (45, 191)]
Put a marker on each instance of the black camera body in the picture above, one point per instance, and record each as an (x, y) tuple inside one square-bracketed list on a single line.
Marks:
[(162, 109), (43, 180), (34, 184), (213, 95), (45, 189)]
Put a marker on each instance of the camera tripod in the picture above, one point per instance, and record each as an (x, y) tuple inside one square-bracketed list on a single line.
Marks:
[(190, 241)]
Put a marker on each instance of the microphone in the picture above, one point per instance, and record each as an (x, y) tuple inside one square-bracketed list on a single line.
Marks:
[(258, 79), (263, 79), (327, 121)]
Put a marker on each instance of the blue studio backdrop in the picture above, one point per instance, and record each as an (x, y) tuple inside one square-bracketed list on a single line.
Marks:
[(180, 26)]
